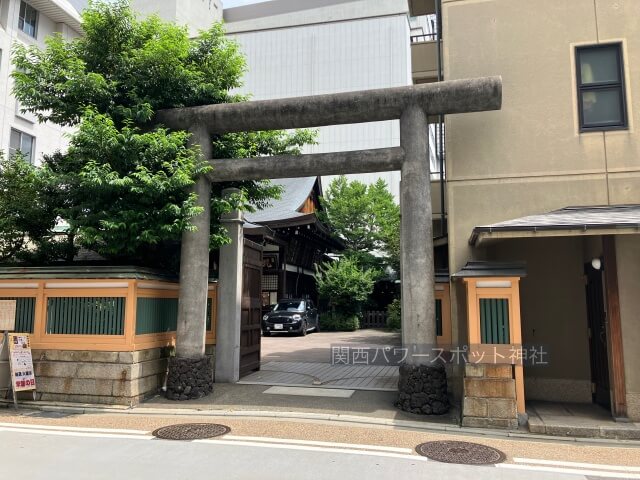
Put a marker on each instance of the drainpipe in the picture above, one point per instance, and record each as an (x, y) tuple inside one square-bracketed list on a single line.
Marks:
[(441, 119)]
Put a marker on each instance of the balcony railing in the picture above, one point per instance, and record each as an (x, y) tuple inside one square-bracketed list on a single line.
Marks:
[(424, 37)]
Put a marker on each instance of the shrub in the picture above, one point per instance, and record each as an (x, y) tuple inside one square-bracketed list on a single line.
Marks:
[(339, 322), (394, 316), (344, 285)]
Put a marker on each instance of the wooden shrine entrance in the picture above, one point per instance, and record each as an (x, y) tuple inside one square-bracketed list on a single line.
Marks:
[(251, 313), (239, 307)]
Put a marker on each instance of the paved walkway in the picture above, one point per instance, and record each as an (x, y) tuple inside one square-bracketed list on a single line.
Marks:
[(317, 347), (351, 360), (354, 377)]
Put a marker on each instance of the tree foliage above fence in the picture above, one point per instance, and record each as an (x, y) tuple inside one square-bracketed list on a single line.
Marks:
[(345, 285), (122, 188), (366, 218)]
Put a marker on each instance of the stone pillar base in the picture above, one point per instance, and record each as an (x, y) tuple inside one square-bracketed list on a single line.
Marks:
[(423, 389), (189, 379)]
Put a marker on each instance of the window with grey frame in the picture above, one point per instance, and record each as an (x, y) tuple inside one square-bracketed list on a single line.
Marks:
[(601, 90), (28, 19), (22, 143)]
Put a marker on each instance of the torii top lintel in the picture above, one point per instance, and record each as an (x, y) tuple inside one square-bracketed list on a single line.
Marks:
[(449, 97)]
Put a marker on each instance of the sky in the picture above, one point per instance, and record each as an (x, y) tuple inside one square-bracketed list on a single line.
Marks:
[(239, 3)]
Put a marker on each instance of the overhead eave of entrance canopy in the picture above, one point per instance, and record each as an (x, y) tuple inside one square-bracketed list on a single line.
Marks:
[(566, 222)]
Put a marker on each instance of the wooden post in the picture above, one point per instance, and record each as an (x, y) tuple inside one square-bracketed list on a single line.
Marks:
[(40, 315), (614, 328), (516, 339), (130, 314)]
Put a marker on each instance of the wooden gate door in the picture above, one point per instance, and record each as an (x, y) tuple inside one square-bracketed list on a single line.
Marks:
[(596, 316), (250, 334)]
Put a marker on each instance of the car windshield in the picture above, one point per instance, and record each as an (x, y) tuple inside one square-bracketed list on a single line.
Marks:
[(289, 307)]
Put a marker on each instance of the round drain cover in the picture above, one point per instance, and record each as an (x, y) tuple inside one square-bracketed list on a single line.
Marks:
[(191, 431), (464, 453)]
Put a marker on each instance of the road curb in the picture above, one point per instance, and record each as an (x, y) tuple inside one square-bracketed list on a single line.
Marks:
[(321, 417)]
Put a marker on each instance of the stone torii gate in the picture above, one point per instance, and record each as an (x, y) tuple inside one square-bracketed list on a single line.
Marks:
[(412, 105)]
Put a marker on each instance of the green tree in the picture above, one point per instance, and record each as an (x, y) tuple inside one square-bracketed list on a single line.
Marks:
[(27, 218), (123, 185), (344, 284), (366, 218)]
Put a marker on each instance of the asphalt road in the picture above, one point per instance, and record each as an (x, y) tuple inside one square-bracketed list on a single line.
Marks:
[(52, 453)]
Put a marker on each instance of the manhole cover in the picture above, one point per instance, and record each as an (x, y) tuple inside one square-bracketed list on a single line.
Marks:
[(460, 452), (191, 431)]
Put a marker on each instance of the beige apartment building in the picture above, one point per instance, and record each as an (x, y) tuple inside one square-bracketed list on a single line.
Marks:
[(551, 180)]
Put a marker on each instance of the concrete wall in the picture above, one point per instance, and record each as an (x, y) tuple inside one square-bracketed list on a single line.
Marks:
[(530, 157), (554, 316), (628, 256), (49, 137), (424, 61)]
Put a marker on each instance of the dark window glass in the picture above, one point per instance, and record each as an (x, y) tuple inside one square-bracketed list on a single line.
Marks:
[(601, 95), (28, 19), (289, 307), (20, 142)]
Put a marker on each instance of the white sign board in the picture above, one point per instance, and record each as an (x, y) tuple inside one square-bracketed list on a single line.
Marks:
[(7, 315), (21, 362)]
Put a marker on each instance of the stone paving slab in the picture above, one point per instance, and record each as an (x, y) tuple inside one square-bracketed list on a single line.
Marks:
[(358, 377), (578, 421)]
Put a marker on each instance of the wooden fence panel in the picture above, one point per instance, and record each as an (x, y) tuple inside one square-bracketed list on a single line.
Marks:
[(374, 319)]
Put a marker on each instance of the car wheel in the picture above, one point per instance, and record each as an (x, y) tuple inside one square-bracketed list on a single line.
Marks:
[(303, 332), (317, 329)]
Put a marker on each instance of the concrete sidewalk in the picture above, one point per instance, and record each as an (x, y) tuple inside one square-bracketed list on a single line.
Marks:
[(239, 397)]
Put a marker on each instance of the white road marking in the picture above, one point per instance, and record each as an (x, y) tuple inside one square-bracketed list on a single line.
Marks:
[(575, 471), (529, 464), (225, 440), (74, 434), (315, 449), (319, 444), (72, 429), (595, 466)]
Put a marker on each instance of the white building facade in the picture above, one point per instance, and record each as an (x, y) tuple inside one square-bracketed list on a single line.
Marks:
[(313, 47), (30, 23)]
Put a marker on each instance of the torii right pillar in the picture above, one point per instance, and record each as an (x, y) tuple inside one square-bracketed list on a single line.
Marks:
[(423, 381)]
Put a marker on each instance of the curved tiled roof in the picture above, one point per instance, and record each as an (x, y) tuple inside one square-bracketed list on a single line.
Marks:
[(569, 218), (295, 192)]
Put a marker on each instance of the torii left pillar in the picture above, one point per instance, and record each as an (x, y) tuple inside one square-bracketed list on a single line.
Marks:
[(191, 371)]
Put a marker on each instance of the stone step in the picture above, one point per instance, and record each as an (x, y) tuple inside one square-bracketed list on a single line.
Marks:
[(483, 422)]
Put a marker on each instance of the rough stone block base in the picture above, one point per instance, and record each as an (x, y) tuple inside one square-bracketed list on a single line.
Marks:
[(112, 378), (189, 379), (423, 389), (489, 397)]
